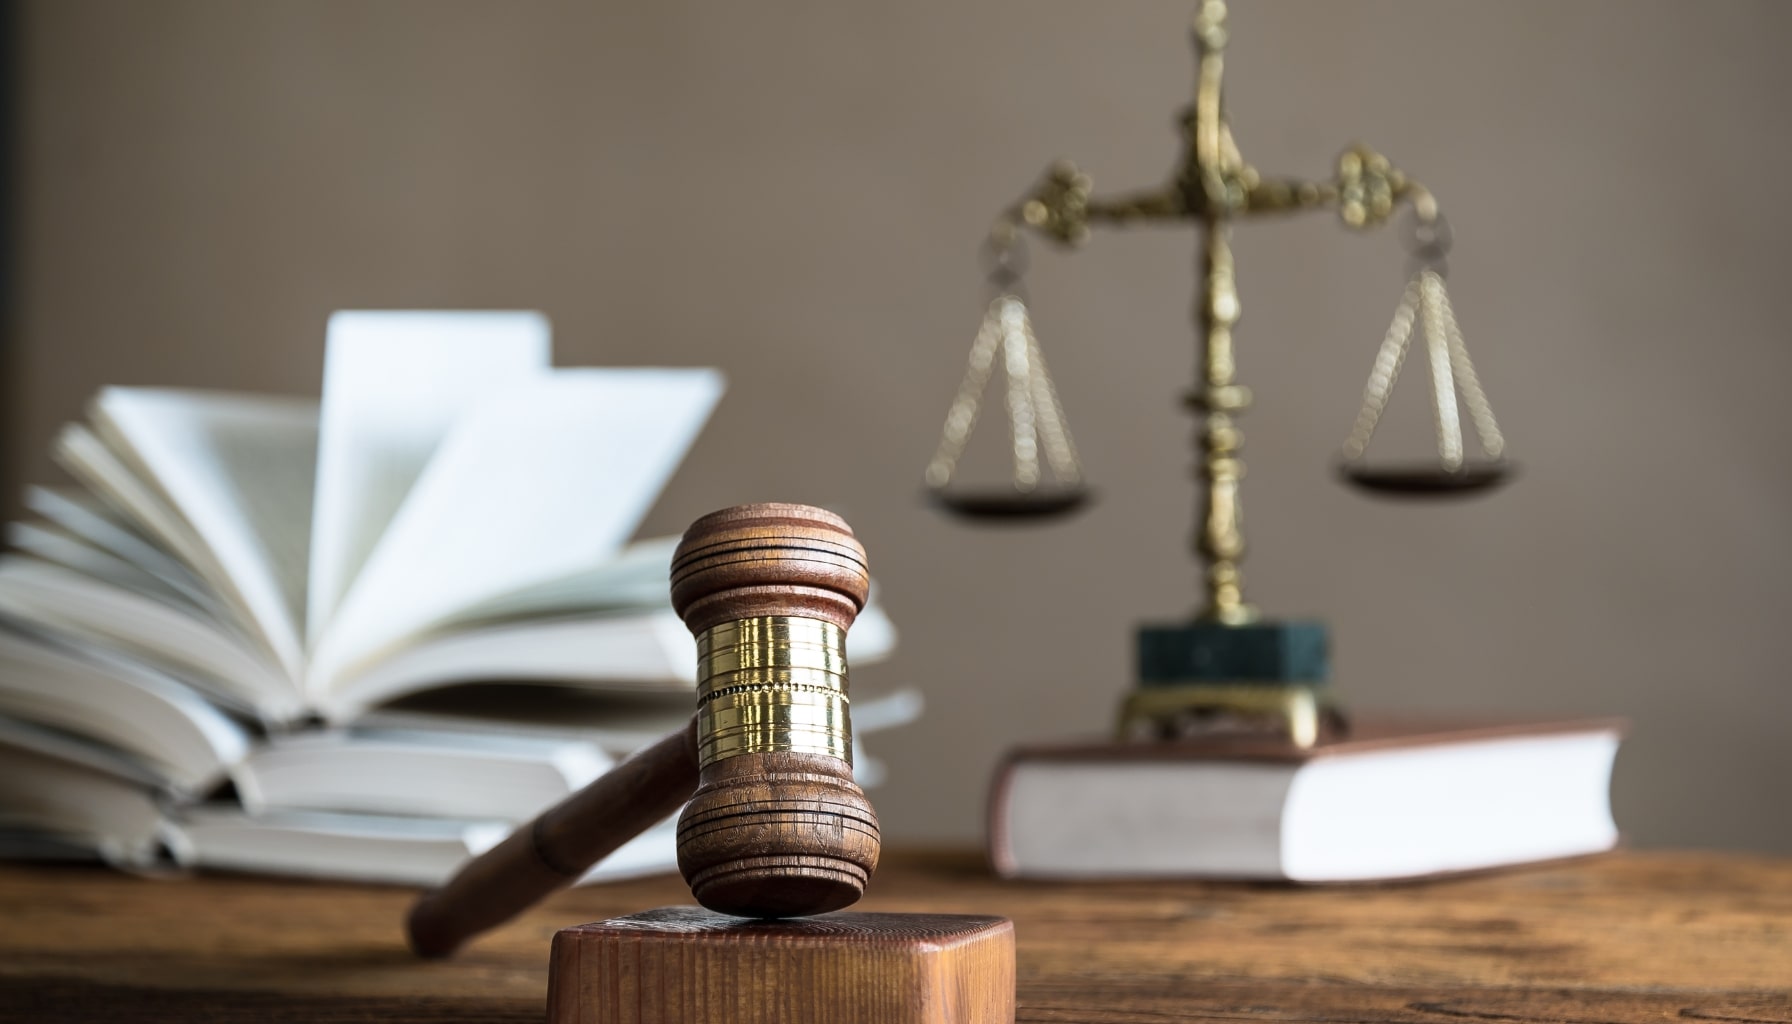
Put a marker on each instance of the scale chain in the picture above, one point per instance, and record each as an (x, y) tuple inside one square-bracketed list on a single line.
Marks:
[(1480, 413), (1021, 424), (1054, 433), (1383, 373), (1035, 414), (961, 419), (1443, 381), (1426, 301)]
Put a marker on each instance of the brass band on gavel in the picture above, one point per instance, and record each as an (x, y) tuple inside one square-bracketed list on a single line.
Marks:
[(772, 684)]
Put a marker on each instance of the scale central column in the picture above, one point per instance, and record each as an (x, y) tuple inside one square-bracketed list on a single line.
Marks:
[(1219, 535), (1207, 184)]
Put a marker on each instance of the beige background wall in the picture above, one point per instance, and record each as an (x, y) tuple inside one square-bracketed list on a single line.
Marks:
[(795, 192)]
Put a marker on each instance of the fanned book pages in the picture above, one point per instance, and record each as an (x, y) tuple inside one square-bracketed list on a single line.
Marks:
[(1396, 799), (275, 633)]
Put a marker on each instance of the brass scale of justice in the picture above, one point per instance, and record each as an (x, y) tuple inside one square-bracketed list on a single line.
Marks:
[(1229, 670)]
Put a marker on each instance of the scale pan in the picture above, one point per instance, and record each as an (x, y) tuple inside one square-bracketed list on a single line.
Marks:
[(1007, 503), (1427, 480)]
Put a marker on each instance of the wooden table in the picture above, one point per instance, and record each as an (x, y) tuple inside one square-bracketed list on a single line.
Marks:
[(1628, 937)]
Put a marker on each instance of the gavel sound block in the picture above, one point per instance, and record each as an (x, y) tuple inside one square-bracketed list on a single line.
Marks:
[(775, 833), (688, 964)]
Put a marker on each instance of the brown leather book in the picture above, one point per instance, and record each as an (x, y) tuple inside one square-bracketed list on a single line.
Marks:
[(1397, 798)]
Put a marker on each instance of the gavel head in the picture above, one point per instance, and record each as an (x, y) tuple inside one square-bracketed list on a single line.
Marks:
[(777, 827)]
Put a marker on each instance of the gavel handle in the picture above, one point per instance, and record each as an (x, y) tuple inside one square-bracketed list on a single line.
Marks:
[(557, 847)]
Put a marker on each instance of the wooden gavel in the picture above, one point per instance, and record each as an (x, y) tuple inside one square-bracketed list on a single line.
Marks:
[(776, 826)]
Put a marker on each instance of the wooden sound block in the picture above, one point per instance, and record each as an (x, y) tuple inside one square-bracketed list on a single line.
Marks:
[(679, 964)]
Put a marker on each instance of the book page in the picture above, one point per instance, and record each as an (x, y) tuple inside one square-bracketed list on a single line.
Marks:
[(86, 457), (52, 544), (394, 382), (470, 775), (618, 724), (238, 469), (541, 480), (635, 652), (635, 578), (84, 516), (94, 615), (114, 701), (66, 746), (117, 819), (123, 513), (317, 844)]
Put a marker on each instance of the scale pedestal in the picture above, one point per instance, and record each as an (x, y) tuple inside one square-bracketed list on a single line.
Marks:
[(679, 964), (1203, 677)]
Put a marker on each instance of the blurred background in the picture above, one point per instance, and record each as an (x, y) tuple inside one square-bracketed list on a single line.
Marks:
[(796, 192)]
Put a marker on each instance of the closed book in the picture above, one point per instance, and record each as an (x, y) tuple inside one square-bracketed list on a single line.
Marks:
[(1393, 799)]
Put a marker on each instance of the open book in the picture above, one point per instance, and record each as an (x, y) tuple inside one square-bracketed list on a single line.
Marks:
[(455, 511), (238, 572)]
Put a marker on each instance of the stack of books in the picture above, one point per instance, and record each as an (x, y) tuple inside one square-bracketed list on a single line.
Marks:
[(357, 638)]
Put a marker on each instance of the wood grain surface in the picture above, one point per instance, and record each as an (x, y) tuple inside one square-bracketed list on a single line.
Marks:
[(676, 964), (1621, 938)]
